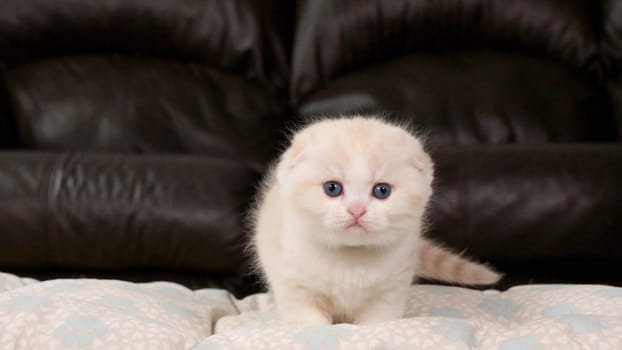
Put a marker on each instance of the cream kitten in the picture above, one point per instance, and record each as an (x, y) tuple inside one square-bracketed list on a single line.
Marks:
[(337, 227)]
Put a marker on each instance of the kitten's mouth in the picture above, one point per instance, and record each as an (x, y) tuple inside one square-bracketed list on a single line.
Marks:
[(355, 224)]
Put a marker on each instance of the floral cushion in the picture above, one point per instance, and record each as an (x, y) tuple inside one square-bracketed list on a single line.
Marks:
[(108, 314)]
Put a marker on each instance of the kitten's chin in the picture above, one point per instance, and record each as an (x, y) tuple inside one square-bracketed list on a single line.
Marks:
[(357, 236), (365, 243)]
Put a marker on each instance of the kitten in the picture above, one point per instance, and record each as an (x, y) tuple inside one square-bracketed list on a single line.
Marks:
[(337, 225)]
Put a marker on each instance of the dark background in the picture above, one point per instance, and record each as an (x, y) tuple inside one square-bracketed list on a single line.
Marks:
[(133, 132)]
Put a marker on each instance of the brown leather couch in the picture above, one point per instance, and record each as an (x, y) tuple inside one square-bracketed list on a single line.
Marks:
[(134, 132)]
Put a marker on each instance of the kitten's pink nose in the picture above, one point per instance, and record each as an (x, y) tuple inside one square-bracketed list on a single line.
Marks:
[(357, 210)]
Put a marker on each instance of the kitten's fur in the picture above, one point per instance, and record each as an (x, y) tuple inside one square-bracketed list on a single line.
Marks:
[(321, 272)]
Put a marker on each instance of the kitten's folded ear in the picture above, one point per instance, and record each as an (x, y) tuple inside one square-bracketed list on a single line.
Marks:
[(292, 156), (422, 162), (420, 159)]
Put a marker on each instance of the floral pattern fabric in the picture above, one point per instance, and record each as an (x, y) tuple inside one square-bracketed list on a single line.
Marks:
[(109, 314)]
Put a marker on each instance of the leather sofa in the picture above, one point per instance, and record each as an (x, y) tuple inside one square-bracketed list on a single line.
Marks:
[(133, 133)]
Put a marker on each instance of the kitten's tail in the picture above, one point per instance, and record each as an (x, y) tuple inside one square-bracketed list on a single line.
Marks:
[(441, 264)]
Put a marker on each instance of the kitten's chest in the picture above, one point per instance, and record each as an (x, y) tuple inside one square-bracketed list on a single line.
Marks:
[(348, 283), (336, 274)]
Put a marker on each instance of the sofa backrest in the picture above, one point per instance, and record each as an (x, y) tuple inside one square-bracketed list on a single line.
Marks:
[(134, 132)]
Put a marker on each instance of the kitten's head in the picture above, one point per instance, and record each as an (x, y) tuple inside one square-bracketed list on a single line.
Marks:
[(356, 181)]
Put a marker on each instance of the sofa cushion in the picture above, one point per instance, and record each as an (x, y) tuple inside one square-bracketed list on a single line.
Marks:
[(182, 218), (335, 38), (120, 213), (241, 36), (482, 97), (122, 104)]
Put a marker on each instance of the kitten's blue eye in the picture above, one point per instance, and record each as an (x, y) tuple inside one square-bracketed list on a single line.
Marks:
[(382, 191), (333, 188)]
